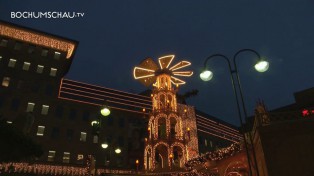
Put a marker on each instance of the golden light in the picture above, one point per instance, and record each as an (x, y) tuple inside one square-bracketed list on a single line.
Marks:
[(188, 129), (148, 129), (137, 161), (105, 111), (144, 109), (171, 156), (148, 70), (185, 110)]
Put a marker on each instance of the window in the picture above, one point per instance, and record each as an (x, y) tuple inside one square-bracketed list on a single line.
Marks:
[(72, 114), (40, 130), (44, 109), (40, 69), (53, 72), (80, 159), (44, 52), (4, 43), (31, 49), (66, 157), (9, 122), (121, 141), (121, 122), (85, 116), (95, 139), (6, 82), (49, 89), (83, 137), (69, 134), (55, 132), (17, 46), (57, 55), (12, 63), (59, 111), (15, 104), (51, 155), (30, 107), (26, 66)]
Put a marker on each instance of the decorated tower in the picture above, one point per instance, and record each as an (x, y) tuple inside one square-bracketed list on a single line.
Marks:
[(166, 146)]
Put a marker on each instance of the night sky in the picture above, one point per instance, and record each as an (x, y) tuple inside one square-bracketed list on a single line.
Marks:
[(114, 36)]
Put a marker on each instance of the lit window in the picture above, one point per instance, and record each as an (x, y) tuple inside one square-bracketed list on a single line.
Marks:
[(95, 139), (53, 72), (44, 109), (9, 122), (31, 49), (12, 63), (4, 42), (6, 82), (66, 157), (40, 69), (17, 46), (51, 155), (40, 130), (30, 107), (83, 137), (26, 66), (0, 58), (57, 55), (80, 159), (44, 52)]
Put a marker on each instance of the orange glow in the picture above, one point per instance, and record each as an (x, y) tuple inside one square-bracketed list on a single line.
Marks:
[(177, 81), (179, 65), (143, 72), (183, 73), (37, 38), (137, 161), (171, 156), (135, 95), (188, 129)]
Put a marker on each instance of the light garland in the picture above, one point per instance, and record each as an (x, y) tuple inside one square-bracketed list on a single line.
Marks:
[(37, 39), (214, 156)]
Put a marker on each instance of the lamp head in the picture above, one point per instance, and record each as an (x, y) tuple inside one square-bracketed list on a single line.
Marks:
[(262, 66), (206, 75), (118, 150), (105, 111), (104, 145)]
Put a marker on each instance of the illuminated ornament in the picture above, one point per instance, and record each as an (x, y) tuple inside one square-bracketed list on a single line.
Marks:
[(206, 75), (105, 111), (262, 66), (148, 70)]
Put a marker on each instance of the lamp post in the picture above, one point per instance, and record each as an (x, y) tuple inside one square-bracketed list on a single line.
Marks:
[(96, 124), (261, 66)]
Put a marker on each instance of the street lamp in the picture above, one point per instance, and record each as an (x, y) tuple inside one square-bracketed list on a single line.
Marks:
[(117, 150), (261, 66), (105, 111), (104, 145)]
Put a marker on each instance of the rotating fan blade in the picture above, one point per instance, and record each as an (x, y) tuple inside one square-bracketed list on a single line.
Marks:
[(165, 61), (179, 65), (145, 72), (176, 81), (183, 73)]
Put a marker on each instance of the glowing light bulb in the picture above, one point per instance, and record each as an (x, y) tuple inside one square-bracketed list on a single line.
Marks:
[(206, 75)]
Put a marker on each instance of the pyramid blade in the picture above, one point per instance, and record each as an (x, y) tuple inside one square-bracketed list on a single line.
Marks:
[(179, 65), (176, 81), (183, 73), (145, 72), (165, 61)]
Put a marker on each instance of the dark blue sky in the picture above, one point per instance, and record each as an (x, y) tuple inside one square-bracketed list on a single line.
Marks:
[(116, 35)]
